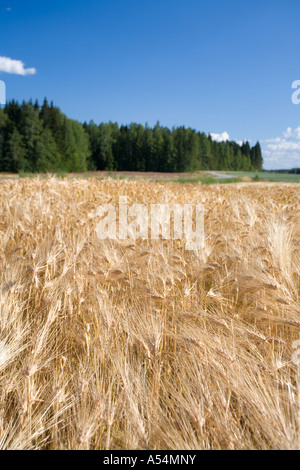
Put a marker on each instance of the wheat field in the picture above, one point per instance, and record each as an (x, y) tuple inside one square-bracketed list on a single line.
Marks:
[(142, 344)]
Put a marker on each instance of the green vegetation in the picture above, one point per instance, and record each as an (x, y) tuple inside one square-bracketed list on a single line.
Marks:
[(36, 139), (206, 180), (41, 139), (159, 149), (271, 176)]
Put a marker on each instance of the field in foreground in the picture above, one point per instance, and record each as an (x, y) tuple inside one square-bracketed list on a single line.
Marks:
[(143, 345)]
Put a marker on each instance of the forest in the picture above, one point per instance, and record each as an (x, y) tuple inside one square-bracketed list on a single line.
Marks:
[(41, 138)]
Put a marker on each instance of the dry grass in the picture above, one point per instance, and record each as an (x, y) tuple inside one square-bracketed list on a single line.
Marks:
[(113, 345)]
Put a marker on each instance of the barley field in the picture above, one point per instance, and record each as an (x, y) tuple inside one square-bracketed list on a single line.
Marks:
[(141, 344)]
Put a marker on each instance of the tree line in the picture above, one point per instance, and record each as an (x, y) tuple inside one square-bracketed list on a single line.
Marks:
[(36, 138), (293, 171)]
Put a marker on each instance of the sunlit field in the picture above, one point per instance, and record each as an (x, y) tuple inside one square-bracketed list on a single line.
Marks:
[(142, 344)]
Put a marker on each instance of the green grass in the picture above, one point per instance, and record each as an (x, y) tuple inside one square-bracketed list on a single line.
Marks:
[(204, 180), (25, 174), (236, 177), (268, 176)]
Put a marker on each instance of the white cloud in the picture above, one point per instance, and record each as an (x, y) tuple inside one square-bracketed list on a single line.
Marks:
[(288, 133), (16, 67), (223, 137), (283, 152)]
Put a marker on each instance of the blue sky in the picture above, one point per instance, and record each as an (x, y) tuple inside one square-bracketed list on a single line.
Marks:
[(219, 66)]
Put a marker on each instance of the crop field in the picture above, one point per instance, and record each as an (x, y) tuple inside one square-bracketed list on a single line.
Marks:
[(141, 344)]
